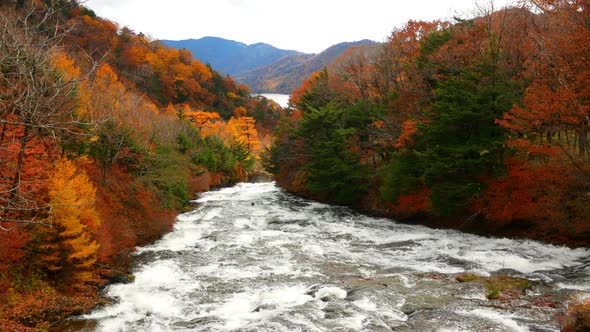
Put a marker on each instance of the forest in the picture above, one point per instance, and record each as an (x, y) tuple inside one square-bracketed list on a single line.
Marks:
[(105, 135), (478, 124)]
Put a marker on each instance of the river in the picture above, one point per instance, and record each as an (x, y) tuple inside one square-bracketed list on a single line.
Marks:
[(279, 98), (254, 258)]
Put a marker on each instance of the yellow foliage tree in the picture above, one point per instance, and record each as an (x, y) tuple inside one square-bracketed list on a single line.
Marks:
[(102, 96), (71, 250), (244, 130), (202, 120)]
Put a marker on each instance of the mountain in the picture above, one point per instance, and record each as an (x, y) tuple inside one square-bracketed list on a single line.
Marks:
[(231, 57), (288, 72), (263, 67)]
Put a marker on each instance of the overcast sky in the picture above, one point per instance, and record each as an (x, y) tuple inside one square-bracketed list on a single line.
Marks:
[(303, 25)]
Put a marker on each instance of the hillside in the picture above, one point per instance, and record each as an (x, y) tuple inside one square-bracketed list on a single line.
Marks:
[(231, 57), (112, 138), (287, 73)]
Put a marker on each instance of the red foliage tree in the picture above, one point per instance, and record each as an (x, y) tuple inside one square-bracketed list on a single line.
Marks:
[(555, 108)]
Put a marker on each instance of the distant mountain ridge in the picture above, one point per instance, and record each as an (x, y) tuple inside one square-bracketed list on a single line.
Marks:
[(229, 56), (287, 73), (263, 67)]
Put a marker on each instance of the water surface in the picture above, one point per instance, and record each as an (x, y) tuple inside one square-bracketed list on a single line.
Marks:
[(279, 98), (254, 258)]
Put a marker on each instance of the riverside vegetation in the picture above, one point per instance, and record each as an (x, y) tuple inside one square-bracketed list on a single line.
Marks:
[(478, 124)]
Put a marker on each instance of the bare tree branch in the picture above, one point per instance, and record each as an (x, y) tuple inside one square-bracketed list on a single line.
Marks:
[(37, 101)]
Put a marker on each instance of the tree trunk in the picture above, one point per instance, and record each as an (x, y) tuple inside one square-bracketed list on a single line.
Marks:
[(16, 182), (3, 135)]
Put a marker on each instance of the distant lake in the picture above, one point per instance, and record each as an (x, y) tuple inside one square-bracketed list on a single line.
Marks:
[(279, 98)]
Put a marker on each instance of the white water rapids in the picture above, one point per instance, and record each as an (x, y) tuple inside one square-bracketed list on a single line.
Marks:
[(254, 258)]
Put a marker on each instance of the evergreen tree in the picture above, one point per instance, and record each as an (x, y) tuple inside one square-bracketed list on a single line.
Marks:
[(460, 141), (333, 167)]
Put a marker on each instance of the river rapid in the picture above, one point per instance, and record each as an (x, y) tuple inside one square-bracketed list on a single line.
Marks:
[(255, 258)]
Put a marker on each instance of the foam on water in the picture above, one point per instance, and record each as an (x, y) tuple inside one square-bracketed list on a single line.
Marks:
[(254, 306), (239, 192), (156, 291), (503, 320), (253, 257), (330, 291)]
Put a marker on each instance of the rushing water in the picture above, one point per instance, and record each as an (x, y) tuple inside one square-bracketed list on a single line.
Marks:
[(254, 258)]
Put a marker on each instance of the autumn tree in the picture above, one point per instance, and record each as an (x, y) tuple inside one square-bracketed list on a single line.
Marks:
[(315, 92), (396, 76), (333, 167), (547, 178), (352, 72), (70, 248), (200, 118), (102, 95), (245, 132)]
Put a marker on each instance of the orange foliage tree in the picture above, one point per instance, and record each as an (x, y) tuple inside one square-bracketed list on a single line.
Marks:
[(353, 73), (396, 74)]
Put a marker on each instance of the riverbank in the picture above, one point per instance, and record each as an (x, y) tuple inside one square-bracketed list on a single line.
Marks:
[(35, 304), (519, 229), (537, 230)]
